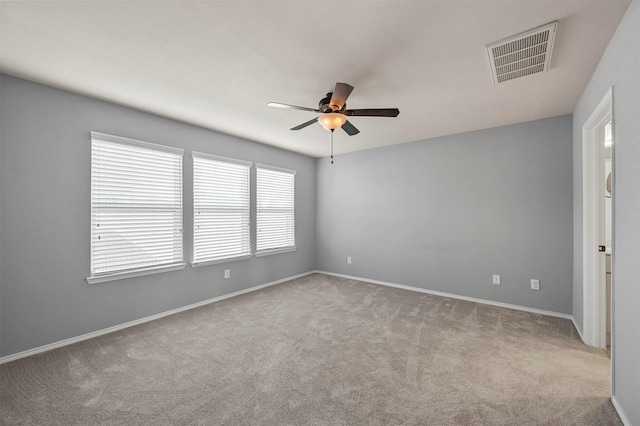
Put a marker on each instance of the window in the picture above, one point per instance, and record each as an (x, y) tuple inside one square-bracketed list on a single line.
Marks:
[(221, 209), (136, 208), (275, 210)]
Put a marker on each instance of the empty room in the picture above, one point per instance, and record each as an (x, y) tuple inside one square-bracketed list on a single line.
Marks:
[(320, 213)]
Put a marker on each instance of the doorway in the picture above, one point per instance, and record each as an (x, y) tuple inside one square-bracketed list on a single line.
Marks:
[(608, 227), (598, 225)]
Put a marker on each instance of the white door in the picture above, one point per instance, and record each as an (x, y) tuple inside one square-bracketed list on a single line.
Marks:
[(595, 244)]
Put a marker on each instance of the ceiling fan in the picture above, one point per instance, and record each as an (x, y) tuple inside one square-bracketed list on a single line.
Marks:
[(333, 112)]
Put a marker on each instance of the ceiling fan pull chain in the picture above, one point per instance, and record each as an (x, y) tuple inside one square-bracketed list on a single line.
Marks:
[(332, 146)]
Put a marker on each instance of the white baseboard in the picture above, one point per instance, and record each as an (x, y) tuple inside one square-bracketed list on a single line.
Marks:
[(621, 413), (453, 296), (108, 330), (573, 320)]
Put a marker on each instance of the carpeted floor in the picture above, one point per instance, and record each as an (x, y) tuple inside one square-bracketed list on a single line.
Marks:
[(320, 350)]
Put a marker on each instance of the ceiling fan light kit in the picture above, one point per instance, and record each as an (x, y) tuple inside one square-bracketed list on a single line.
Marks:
[(333, 112), (332, 120)]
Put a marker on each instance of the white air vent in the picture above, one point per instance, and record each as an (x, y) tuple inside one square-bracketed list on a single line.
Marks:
[(523, 54)]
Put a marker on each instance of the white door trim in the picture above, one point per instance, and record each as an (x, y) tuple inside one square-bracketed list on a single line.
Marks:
[(593, 262)]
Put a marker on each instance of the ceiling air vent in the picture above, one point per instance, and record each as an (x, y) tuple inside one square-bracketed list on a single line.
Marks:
[(523, 54)]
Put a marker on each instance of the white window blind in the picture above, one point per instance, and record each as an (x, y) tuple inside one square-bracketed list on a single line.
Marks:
[(275, 209), (221, 209), (136, 205)]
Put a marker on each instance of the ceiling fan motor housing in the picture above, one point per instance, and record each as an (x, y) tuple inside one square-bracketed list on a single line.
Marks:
[(325, 104)]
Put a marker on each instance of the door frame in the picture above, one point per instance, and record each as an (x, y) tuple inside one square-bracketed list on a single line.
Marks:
[(593, 262)]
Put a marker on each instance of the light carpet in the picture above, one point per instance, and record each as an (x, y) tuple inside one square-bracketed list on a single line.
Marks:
[(320, 350)]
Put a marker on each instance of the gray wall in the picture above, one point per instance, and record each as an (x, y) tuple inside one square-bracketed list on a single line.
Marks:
[(446, 213), (45, 189), (620, 68)]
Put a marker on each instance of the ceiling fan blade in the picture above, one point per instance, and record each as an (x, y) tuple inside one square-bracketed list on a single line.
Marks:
[(374, 112), (350, 128), (305, 124), (340, 95), (287, 106)]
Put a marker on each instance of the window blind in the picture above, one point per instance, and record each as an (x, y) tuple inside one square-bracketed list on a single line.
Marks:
[(275, 209), (221, 208), (136, 205)]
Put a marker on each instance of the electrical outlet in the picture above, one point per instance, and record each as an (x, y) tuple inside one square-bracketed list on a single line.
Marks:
[(535, 284), (349, 260), (227, 273), (496, 279)]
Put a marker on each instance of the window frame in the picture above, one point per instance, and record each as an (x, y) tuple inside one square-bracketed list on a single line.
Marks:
[(218, 158), (95, 278), (282, 249)]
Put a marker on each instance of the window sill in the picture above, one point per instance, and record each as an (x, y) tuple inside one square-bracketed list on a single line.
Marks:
[(275, 251), (135, 273), (225, 260)]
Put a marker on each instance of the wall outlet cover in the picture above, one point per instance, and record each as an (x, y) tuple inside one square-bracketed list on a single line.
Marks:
[(496, 279), (227, 273), (535, 284)]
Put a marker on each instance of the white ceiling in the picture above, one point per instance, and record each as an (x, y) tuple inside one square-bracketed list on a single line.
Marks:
[(216, 64)]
